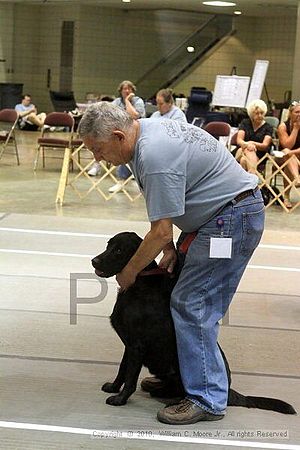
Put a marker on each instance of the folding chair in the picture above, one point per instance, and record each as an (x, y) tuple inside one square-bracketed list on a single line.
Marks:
[(63, 101), (232, 143), (219, 130), (48, 139), (216, 116), (8, 121), (273, 121)]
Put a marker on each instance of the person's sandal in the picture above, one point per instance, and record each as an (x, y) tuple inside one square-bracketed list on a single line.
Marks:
[(297, 184), (287, 203)]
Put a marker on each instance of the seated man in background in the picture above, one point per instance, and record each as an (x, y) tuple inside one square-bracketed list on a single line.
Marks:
[(254, 136), (30, 120)]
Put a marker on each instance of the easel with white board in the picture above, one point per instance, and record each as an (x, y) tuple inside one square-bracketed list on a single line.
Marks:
[(230, 91), (234, 92)]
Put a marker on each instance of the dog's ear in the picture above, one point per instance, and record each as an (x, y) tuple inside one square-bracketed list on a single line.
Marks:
[(136, 238), (127, 239), (133, 240)]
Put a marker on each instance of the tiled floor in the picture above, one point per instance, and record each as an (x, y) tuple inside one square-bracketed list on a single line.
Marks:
[(51, 371)]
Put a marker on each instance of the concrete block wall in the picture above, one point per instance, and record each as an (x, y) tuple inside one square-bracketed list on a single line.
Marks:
[(279, 49), (254, 39), (26, 48), (236, 51), (37, 48), (6, 41), (111, 45)]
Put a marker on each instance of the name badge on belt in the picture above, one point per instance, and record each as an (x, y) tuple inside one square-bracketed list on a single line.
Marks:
[(220, 247)]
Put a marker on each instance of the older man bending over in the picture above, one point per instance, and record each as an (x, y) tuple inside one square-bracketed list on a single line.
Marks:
[(191, 180)]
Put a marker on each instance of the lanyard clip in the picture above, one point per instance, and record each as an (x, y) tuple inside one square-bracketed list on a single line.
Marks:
[(220, 225)]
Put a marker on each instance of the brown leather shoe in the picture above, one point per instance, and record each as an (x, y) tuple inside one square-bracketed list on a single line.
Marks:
[(150, 384), (184, 413)]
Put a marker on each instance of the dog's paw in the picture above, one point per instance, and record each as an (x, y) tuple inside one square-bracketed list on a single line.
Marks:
[(110, 388), (115, 400)]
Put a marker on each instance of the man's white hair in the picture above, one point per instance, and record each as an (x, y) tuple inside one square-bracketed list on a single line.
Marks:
[(101, 119), (256, 104)]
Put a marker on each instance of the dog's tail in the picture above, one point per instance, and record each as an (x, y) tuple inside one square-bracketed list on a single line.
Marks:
[(273, 404)]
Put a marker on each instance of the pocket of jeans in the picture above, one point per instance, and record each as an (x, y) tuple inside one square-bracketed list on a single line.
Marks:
[(201, 245), (252, 229), (212, 229)]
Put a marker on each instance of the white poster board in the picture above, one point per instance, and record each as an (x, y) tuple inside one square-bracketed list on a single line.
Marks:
[(230, 90), (258, 80)]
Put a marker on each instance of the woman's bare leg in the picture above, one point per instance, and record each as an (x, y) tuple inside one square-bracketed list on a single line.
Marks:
[(249, 161)]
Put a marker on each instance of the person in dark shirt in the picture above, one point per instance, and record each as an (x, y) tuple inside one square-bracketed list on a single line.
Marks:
[(254, 137), (289, 141)]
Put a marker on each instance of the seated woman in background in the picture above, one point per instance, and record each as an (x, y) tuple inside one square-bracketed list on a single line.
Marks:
[(135, 107), (166, 107), (254, 136), (289, 142)]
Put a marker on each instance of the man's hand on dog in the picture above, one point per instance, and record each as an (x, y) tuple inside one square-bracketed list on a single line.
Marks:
[(126, 278), (169, 259)]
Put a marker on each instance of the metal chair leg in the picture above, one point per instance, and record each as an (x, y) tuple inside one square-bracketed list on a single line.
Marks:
[(36, 159), (17, 153)]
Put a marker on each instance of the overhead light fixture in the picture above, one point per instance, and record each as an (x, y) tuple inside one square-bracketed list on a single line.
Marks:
[(219, 3), (126, 1), (190, 49), (238, 13)]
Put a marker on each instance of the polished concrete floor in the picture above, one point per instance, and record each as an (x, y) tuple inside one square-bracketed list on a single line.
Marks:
[(52, 371)]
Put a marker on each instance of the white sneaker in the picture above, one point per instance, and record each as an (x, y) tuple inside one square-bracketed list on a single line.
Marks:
[(116, 187), (94, 170)]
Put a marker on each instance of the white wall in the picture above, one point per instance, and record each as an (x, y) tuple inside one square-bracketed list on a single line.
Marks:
[(6, 41), (254, 39), (112, 45)]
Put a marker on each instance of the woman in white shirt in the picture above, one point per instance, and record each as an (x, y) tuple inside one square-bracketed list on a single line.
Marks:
[(166, 107)]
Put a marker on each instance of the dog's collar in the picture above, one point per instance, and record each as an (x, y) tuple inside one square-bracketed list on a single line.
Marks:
[(156, 271)]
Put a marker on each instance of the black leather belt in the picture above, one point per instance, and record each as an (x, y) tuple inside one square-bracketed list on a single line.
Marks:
[(245, 194)]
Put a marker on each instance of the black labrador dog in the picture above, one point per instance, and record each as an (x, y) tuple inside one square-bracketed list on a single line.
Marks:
[(142, 319)]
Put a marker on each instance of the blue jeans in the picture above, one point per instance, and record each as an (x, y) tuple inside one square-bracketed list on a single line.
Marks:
[(123, 172), (203, 294)]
